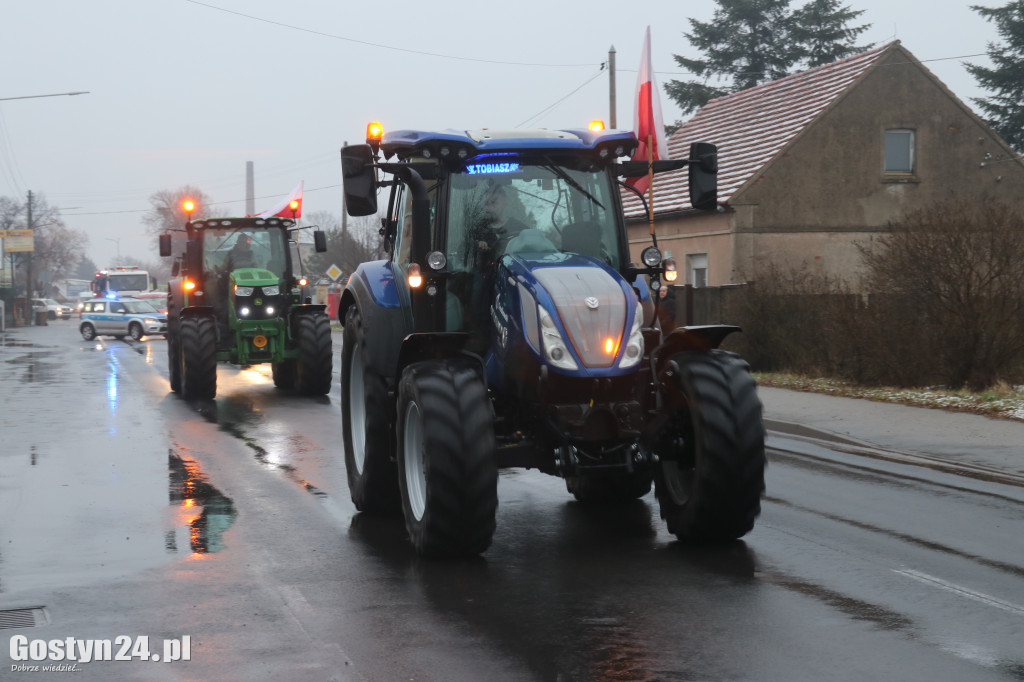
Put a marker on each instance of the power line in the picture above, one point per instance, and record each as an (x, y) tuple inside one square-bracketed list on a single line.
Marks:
[(547, 109), (212, 203), (378, 45)]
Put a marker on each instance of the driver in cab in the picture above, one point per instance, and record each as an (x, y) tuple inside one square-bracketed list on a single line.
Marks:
[(240, 255)]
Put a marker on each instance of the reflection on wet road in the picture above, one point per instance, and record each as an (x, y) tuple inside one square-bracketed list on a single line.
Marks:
[(203, 509)]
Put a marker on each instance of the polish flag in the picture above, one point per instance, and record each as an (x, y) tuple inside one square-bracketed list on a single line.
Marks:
[(283, 209), (647, 121)]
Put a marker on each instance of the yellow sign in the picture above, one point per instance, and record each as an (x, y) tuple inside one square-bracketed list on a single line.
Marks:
[(334, 272), (17, 240)]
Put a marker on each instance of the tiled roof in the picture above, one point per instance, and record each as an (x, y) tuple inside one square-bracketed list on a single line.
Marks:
[(752, 126)]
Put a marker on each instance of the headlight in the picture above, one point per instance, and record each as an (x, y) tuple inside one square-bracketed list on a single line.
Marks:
[(243, 311), (272, 291), (651, 256), (149, 320), (635, 346), (243, 291), (555, 350)]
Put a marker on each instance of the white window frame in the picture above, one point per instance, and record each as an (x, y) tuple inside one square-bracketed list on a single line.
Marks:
[(905, 139), (697, 270)]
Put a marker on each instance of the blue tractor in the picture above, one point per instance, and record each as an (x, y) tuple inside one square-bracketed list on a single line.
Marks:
[(508, 328)]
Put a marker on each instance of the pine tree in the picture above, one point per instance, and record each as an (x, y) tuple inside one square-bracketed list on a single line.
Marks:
[(823, 32), (1005, 108), (749, 42)]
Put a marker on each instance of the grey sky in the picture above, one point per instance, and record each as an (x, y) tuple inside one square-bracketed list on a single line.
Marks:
[(185, 94)]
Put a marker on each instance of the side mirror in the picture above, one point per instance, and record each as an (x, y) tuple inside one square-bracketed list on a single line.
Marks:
[(359, 178), (193, 264), (165, 245), (703, 176), (320, 240)]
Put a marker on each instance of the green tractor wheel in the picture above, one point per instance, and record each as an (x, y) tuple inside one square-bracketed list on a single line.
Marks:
[(314, 365), (198, 358)]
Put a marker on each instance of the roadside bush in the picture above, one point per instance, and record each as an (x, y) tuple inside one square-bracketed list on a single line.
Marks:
[(941, 303), (948, 295)]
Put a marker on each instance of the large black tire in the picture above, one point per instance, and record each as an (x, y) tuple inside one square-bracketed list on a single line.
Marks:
[(614, 488), (88, 332), (366, 417), (710, 476), (446, 460), (283, 373), (174, 360), (135, 331), (314, 365), (198, 358)]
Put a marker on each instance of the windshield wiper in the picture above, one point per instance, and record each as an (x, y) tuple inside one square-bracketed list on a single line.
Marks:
[(560, 172)]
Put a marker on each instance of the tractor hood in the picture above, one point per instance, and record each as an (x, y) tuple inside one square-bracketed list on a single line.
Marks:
[(249, 277), (590, 304)]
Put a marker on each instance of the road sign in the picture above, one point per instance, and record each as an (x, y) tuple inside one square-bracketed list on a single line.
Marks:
[(334, 272), (17, 240)]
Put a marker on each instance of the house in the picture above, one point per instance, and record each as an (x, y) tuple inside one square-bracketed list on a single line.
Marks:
[(817, 162)]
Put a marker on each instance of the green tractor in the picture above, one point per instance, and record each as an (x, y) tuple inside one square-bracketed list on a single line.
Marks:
[(234, 297)]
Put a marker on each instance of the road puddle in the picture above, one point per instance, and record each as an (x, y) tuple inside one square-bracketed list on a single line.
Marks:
[(204, 512)]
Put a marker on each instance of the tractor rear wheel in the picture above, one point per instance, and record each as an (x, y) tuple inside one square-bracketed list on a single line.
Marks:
[(366, 424), (710, 475), (314, 365), (446, 464), (198, 358)]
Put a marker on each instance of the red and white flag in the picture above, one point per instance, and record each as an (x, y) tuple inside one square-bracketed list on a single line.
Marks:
[(647, 122), (284, 208)]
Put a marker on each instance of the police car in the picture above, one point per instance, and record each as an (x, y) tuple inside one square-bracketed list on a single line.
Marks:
[(121, 317)]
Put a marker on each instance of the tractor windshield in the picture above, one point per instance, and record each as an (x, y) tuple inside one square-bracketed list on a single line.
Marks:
[(228, 248), (516, 205)]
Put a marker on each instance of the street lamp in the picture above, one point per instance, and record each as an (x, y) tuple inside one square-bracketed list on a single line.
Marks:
[(117, 242)]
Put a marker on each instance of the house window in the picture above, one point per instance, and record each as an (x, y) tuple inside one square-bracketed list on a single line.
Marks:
[(899, 151), (697, 266)]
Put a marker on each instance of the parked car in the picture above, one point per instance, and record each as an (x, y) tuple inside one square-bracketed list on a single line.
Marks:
[(120, 318), (53, 308)]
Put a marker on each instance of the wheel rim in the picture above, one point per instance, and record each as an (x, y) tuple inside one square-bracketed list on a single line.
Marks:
[(412, 456), (87, 332), (136, 332), (357, 408)]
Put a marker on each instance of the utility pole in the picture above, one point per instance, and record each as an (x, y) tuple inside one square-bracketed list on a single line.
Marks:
[(611, 88), (28, 272), (250, 189)]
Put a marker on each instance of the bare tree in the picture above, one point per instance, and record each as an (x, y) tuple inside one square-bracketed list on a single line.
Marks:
[(168, 212), (358, 243), (57, 249)]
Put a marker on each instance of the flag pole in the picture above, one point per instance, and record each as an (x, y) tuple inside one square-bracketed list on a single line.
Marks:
[(650, 185)]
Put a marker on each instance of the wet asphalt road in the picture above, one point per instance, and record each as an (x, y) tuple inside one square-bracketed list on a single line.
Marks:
[(125, 511)]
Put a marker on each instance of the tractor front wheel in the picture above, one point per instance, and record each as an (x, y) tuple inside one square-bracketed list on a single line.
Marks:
[(314, 365), (198, 358), (710, 475), (174, 360), (446, 465)]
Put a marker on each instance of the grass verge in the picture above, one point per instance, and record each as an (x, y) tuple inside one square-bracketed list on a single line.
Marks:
[(1001, 402)]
